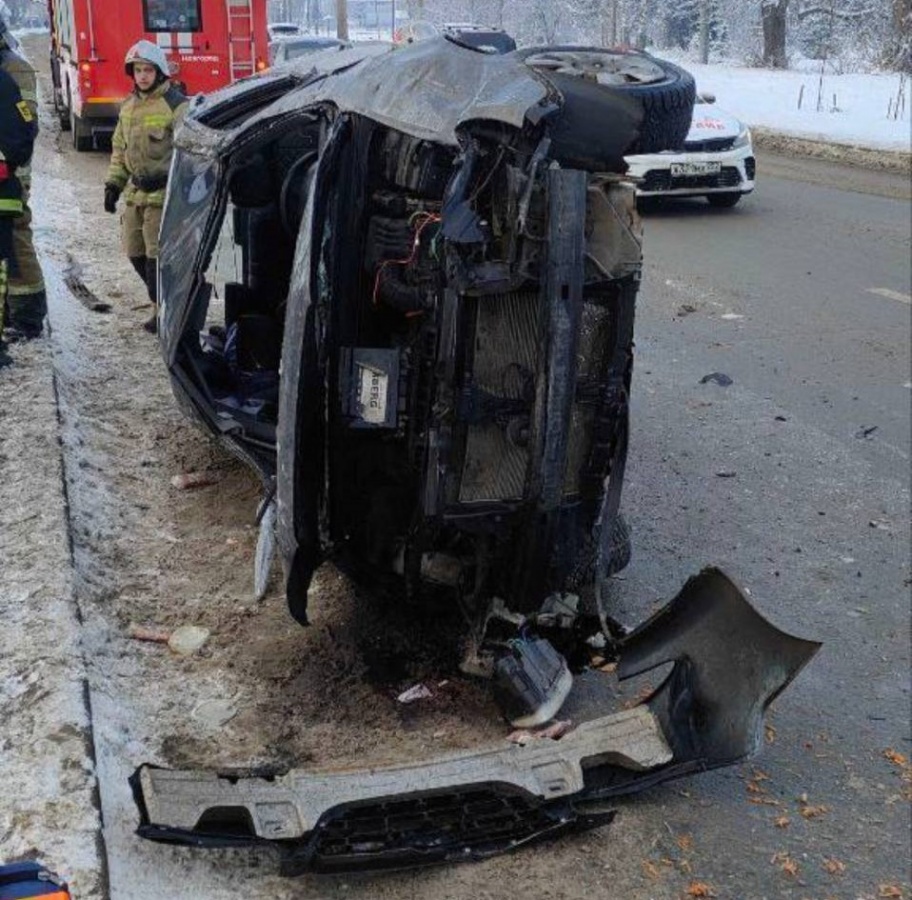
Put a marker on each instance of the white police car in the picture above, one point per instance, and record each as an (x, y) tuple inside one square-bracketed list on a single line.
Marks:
[(717, 161)]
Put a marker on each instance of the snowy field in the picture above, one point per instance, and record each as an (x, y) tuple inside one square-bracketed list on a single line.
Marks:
[(770, 99)]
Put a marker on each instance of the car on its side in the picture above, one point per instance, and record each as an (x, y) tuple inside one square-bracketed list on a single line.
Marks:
[(284, 50), (400, 283), (717, 161)]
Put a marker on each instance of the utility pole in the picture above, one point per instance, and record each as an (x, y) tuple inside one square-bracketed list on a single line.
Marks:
[(610, 24), (704, 31), (342, 20)]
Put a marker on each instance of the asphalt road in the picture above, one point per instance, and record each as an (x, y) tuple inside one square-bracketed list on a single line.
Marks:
[(794, 479)]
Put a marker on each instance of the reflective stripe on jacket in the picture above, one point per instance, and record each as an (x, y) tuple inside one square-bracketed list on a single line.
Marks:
[(143, 142)]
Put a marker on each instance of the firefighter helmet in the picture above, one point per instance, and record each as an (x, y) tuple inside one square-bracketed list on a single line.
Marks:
[(147, 52)]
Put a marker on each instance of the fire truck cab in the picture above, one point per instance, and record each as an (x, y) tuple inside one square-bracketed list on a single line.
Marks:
[(209, 44)]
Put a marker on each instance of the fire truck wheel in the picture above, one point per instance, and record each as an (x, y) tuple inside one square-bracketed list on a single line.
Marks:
[(82, 135)]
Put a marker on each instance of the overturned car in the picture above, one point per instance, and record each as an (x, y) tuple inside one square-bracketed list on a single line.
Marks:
[(400, 283)]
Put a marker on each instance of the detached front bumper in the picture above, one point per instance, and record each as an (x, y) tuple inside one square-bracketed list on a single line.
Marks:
[(736, 171), (729, 665)]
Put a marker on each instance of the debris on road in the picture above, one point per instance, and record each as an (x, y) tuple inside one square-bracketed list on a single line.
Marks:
[(834, 866), (719, 378), (555, 731), (214, 713), (785, 862), (148, 633), (72, 278), (189, 480), (187, 639), (415, 692)]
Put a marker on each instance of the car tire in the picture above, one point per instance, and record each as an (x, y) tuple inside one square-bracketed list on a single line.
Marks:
[(723, 201), (619, 554), (82, 141), (648, 101)]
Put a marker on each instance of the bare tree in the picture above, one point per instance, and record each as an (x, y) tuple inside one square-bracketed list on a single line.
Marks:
[(342, 20), (899, 46), (704, 31), (774, 16)]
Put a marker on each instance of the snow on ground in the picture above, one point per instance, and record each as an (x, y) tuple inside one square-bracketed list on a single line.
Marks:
[(769, 98)]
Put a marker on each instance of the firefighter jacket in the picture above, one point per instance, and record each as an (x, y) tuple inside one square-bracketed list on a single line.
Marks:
[(23, 73), (143, 142), (18, 129)]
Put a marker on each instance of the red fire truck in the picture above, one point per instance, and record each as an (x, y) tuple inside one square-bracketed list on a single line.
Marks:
[(209, 43)]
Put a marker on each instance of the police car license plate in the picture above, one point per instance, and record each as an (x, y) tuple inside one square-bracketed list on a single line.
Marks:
[(696, 168)]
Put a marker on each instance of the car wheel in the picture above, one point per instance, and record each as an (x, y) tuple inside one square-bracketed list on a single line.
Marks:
[(647, 101), (619, 552), (63, 111), (723, 201), (82, 142)]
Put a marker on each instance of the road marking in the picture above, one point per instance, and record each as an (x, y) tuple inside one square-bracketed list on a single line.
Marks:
[(891, 295)]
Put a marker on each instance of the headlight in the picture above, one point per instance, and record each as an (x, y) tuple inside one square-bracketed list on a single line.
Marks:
[(744, 138)]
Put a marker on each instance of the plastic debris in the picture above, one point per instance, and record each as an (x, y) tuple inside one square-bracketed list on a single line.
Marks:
[(189, 480), (187, 639), (719, 378), (415, 692), (214, 713)]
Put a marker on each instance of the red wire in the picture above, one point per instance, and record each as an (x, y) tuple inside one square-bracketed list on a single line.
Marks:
[(416, 242)]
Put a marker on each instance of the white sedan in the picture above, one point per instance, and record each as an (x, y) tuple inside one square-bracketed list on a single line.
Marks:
[(717, 161)]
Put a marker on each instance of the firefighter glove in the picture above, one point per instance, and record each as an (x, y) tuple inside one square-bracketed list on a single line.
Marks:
[(112, 192)]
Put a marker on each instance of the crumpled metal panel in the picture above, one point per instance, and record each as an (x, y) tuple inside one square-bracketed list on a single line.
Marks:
[(428, 90)]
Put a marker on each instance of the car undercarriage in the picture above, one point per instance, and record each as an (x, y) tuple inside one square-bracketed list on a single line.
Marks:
[(401, 285)]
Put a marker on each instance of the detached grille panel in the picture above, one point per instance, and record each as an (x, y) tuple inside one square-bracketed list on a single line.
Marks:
[(460, 824)]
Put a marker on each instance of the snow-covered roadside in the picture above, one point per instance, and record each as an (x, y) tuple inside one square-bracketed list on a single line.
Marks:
[(769, 99), (858, 118), (46, 767)]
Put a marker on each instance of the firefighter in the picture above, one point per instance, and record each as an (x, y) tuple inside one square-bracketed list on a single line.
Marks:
[(140, 159), (26, 299), (18, 130)]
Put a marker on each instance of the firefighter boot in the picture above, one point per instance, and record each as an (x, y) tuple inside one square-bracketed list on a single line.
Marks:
[(25, 315), (151, 278), (139, 264)]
